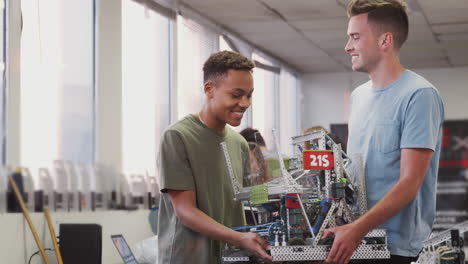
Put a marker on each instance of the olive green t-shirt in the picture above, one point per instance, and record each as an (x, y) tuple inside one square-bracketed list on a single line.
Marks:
[(191, 158)]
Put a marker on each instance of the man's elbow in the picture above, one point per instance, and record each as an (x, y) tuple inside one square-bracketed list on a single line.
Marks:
[(184, 214), (184, 205)]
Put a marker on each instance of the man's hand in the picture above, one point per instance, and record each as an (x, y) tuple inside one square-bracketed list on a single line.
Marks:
[(255, 244), (347, 239), (184, 203)]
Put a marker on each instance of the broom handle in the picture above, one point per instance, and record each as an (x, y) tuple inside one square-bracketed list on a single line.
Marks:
[(28, 219), (53, 236)]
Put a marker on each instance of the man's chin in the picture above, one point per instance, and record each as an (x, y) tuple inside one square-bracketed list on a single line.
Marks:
[(358, 68), (234, 123)]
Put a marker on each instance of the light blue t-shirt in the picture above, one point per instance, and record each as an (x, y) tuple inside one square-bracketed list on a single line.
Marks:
[(408, 113)]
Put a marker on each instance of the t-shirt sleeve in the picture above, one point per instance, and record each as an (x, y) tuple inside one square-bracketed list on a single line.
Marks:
[(174, 166), (423, 120)]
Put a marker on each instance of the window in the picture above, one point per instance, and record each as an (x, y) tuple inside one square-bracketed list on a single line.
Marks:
[(288, 110), (264, 98), (57, 90), (194, 45), (145, 86)]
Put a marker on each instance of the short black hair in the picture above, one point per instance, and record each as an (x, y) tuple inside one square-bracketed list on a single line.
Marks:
[(253, 135), (219, 63), (384, 16)]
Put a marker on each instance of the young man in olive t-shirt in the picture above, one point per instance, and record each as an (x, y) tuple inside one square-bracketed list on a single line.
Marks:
[(197, 206)]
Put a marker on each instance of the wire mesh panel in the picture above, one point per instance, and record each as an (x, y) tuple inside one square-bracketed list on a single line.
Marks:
[(293, 253)]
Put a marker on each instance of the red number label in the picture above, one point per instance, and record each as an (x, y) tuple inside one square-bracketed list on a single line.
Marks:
[(318, 160)]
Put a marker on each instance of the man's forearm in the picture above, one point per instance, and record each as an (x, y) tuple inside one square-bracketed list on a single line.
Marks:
[(200, 222), (184, 203)]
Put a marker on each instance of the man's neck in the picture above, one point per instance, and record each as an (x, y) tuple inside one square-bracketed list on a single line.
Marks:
[(211, 122), (386, 72)]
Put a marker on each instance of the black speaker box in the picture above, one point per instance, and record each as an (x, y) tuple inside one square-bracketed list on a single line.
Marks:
[(80, 243)]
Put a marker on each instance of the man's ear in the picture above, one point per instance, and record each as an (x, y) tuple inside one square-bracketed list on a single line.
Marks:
[(386, 41), (209, 89)]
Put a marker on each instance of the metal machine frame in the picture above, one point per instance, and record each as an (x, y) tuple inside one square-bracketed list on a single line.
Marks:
[(314, 249), (431, 255)]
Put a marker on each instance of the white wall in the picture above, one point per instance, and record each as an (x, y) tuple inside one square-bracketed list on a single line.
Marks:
[(326, 96), (17, 242), (13, 82), (109, 83)]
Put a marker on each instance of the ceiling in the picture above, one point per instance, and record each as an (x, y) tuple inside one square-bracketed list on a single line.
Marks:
[(310, 34)]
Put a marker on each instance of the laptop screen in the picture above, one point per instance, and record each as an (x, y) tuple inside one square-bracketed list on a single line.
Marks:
[(124, 249)]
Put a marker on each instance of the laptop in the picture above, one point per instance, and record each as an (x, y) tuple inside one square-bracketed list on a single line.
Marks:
[(124, 249)]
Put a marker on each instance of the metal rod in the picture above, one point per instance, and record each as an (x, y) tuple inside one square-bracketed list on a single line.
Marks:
[(305, 216), (445, 235), (236, 188), (253, 215)]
